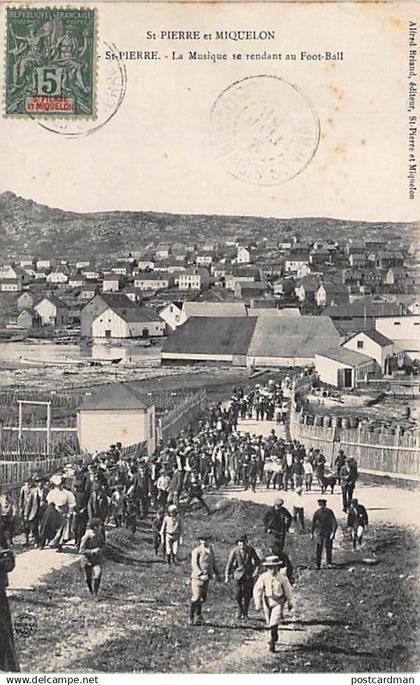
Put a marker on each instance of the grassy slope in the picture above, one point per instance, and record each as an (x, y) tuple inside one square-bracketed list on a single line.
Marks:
[(140, 624)]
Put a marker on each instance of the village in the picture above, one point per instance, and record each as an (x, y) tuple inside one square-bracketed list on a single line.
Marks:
[(143, 358)]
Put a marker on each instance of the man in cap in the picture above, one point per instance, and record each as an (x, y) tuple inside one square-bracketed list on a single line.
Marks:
[(203, 568), (277, 522), (171, 533), (272, 591), (357, 520), (91, 548), (324, 526), (242, 564)]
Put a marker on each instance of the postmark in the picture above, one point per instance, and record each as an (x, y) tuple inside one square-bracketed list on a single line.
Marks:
[(50, 62), (264, 129), (111, 91), (25, 625)]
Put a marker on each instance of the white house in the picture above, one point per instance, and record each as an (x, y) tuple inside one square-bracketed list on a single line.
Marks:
[(374, 345), (11, 285), (154, 280), (296, 259), (59, 276), (303, 270), (243, 255), (111, 283), (171, 314), (193, 279), (118, 414), (51, 311), (404, 331), (130, 322), (344, 368)]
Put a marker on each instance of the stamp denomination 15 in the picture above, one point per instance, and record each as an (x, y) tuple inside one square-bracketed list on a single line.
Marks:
[(50, 62), (264, 129)]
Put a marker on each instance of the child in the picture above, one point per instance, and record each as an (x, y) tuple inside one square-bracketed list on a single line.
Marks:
[(91, 548), (171, 533), (309, 474)]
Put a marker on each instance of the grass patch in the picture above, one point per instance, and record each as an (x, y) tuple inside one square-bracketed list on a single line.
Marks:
[(140, 622)]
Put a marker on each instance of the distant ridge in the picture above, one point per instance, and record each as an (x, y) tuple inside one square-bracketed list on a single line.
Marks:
[(29, 227)]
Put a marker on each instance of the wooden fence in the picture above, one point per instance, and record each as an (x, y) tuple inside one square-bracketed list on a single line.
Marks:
[(170, 424), (393, 454), (18, 471)]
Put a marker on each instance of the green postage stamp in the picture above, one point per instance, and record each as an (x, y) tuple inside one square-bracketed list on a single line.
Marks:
[(50, 62)]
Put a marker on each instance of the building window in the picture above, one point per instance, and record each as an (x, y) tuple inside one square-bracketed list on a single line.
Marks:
[(397, 323), (360, 344)]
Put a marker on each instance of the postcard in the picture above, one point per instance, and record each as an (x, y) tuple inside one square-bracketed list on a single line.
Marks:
[(209, 338)]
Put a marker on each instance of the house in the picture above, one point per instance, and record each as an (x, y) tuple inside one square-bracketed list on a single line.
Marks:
[(344, 368), (76, 280), (352, 318), (134, 294), (270, 269), (11, 285), (218, 339), (163, 252), (112, 283), (194, 279), (303, 270), (171, 314), (351, 276), (358, 260), (319, 257), (284, 286), (243, 255), (374, 345), (123, 268), (404, 331), (398, 278), (28, 318), (384, 260), (44, 264), (211, 309), (121, 414), (26, 300), (306, 289), (241, 274), (91, 273), (127, 322), (249, 291), (154, 280), (87, 292), (329, 293), (205, 258), (28, 263), (295, 259), (98, 304), (290, 341), (84, 264), (52, 311), (59, 276)]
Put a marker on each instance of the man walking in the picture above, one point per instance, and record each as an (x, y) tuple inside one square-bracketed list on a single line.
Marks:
[(272, 591), (242, 564), (277, 522), (203, 569), (324, 526), (8, 658), (357, 520)]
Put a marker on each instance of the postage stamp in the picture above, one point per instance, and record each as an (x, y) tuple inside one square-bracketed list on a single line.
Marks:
[(264, 129), (50, 62)]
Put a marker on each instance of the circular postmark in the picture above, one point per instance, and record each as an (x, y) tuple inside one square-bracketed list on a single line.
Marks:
[(264, 129), (25, 625), (111, 84)]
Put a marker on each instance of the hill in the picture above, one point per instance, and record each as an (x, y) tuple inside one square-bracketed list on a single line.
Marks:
[(29, 227)]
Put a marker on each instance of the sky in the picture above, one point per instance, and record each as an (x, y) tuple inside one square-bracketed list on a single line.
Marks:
[(157, 152)]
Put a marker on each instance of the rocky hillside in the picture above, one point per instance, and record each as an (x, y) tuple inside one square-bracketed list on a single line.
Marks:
[(28, 227)]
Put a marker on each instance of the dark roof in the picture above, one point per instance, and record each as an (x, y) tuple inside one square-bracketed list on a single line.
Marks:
[(377, 337), (136, 314), (153, 276), (116, 300), (116, 396), (362, 309), (297, 336), (212, 336)]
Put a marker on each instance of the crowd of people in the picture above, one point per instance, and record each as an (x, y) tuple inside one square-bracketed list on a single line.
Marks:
[(78, 504)]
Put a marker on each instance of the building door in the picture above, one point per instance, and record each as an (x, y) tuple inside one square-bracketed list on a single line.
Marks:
[(107, 333), (348, 377), (145, 333)]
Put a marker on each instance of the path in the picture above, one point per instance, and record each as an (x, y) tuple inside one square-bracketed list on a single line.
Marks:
[(32, 565)]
